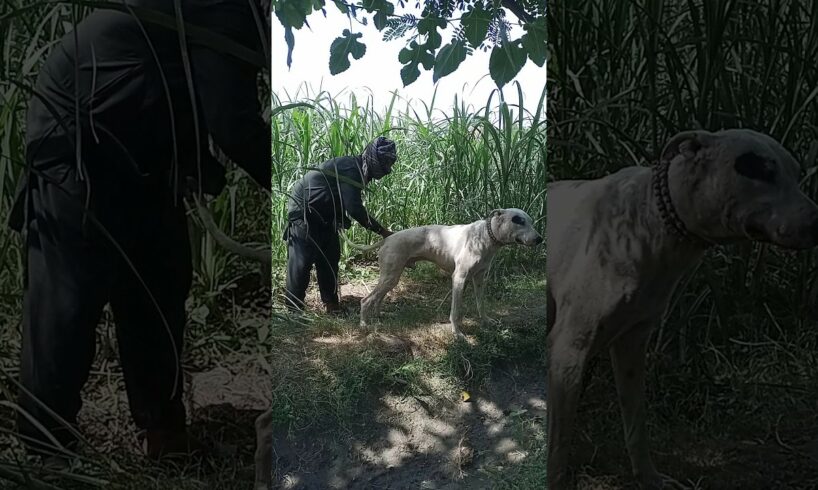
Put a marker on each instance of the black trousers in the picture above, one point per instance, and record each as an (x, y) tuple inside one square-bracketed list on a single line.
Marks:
[(73, 271), (308, 245)]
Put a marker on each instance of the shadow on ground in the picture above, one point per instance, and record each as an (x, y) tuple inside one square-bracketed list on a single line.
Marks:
[(400, 420)]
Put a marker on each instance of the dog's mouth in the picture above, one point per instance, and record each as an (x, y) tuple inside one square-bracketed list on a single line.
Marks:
[(529, 243), (803, 239)]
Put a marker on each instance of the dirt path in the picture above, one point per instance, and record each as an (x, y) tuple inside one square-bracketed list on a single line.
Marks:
[(421, 441)]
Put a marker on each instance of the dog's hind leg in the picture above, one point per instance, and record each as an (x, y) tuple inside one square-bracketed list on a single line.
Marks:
[(389, 278), (628, 360), (569, 346)]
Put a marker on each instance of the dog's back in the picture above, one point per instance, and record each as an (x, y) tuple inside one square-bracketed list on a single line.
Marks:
[(582, 213)]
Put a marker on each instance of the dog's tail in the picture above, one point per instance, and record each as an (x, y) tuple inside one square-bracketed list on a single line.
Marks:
[(264, 256), (361, 248)]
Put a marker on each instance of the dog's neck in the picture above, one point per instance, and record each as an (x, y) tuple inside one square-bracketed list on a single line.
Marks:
[(666, 244), (672, 222), (490, 233)]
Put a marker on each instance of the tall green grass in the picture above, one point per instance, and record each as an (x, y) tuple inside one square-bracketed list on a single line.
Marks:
[(454, 164)]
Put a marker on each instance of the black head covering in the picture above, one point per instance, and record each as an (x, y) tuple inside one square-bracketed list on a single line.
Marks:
[(378, 158)]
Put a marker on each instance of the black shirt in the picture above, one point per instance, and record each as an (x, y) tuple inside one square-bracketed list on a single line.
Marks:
[(328, 193), (119, 79)]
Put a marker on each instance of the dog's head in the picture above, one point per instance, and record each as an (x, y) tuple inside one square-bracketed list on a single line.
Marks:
[(513, 225), (739, 184)]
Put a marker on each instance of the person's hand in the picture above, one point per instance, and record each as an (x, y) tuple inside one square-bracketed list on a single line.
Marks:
[(385, 233)]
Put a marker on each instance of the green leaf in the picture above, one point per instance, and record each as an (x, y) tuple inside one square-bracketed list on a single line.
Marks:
[(405, 54), (341, 48), (293, 13), (341, 6), (534, 41), (476, 25), (449, 58), (380, 20), (506, 61), (409, 73), (412, 56)]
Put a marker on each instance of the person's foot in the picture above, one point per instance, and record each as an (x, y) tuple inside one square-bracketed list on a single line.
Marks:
[(334, 308), (160, 444)]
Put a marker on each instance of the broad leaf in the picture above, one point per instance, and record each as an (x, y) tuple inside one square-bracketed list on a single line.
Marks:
[(341, 48), (341, 6), (380, 20), (293, 13), (476, 25), (534, 41), (449, 58), (506, 61), (409, 73)]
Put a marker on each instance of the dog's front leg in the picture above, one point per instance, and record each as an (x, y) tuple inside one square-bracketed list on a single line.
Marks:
[(628, 359), (569, 347), (459, 278), (479, 283)]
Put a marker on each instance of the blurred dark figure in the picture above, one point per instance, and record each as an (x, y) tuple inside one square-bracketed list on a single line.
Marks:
[(318, 207), (114, 131)]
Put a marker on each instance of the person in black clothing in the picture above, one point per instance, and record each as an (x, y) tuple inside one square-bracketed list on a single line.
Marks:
[(318, 206), (113, 133)]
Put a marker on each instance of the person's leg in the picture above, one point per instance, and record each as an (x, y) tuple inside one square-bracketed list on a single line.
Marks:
[(300, 257), (68, 276), (149, 310), (326, 264)]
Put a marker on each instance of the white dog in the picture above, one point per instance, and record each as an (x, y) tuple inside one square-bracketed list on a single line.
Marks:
[(466, 251), (617, 247)]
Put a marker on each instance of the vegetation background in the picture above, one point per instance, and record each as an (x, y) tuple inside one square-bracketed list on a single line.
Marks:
[(733, 369), (405, 406), (325, 380), (455, 163)]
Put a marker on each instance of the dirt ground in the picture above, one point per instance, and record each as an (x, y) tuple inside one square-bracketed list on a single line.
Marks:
[(428, 440), (418, 442)]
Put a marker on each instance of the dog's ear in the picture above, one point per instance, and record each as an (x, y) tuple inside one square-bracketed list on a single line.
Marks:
[(686, 143)]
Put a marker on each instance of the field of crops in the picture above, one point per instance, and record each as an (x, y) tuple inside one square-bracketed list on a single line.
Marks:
[(455, 162)]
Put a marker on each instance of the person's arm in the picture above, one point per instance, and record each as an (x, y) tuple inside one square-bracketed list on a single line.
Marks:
[(354, 206), (228, 94)]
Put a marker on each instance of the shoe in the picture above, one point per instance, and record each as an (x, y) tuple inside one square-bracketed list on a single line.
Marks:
[(160, 444), (334, 309)]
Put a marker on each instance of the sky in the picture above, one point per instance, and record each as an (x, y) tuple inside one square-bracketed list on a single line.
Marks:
[(379, 69)]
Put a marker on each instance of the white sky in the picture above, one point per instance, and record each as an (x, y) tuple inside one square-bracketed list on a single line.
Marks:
[(379, 69)]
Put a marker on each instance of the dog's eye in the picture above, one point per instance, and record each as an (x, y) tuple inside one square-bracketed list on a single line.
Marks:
[(518, 220), (754, 167)]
